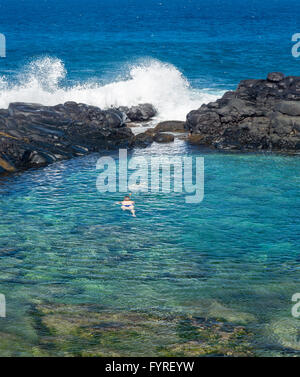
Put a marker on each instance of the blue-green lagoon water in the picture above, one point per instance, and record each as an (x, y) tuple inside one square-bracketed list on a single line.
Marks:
[(83, 278)]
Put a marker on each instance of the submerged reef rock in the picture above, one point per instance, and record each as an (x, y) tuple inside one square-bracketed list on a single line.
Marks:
[(204, 337), (91, 330), (33, 135), (259, 115)]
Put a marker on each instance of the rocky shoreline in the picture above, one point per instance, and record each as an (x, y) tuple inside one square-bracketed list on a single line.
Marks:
[(33, 135), (261, 115)]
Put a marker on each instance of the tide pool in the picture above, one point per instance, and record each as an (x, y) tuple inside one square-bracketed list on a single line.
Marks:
[(234, 257), (82, 278)]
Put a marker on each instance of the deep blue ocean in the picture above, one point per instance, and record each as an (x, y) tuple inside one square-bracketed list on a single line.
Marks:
[(66, 248), (214, 44)]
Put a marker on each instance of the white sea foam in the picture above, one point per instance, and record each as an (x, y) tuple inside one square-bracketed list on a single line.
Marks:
[(152, 81)]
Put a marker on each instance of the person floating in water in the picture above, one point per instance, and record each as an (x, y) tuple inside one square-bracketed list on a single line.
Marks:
[(127, 205)]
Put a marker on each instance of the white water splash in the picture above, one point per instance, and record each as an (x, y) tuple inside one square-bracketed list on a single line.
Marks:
[(160, 84)]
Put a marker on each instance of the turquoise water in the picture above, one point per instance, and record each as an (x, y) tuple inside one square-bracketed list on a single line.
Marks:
[(236, 255)]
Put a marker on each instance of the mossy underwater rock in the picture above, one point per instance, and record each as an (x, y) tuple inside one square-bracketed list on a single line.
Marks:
[(201, 337), (89, 330), (12, 345)]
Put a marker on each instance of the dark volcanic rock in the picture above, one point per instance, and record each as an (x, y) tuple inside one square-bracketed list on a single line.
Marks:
[(146, 138), (143, 139), (140, 113), (163, 137), (275, 76), (35, 135), (259, 115), (171, 126)]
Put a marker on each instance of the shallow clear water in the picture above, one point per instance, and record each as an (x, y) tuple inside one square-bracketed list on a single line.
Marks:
[(64, 242), (234, 257)]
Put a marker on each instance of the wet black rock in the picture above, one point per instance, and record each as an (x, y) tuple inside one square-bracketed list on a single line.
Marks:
[(259, 115), (275, 76), (34, 135), (140, 113), (144, 139), (162, 137), (171, 126)]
